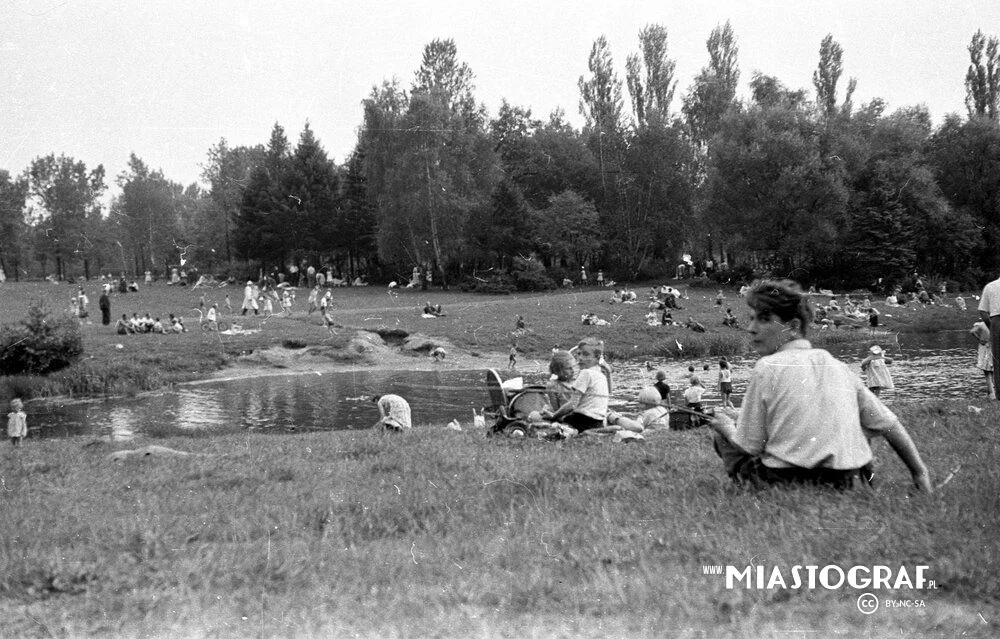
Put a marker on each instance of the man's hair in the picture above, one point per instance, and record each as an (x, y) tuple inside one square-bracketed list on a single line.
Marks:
[(783, 299), (593, 345)]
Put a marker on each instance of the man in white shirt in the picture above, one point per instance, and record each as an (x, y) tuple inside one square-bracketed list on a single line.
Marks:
[(989, 312), (805, 416)]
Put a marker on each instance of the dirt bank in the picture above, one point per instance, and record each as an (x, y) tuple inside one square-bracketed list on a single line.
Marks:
[(368, 351)]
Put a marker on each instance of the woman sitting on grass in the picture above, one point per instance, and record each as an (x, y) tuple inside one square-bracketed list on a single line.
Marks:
[(806, 417)]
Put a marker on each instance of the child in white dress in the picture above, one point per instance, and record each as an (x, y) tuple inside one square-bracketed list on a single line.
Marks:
[(17, 422), (875, 365), (984, 356)]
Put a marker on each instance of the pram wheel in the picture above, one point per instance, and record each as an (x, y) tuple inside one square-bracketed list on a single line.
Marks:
[(516, 432)]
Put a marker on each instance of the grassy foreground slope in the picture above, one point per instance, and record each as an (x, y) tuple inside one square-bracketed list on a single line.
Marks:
[(451, 534)]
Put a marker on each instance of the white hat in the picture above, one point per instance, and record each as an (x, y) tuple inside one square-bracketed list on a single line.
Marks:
[(649, 396), (876, 350)]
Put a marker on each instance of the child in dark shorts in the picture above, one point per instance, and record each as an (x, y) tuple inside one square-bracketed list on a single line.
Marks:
[(725, 383), (663, 388)]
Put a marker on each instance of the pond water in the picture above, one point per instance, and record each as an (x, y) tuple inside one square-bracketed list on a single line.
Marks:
[(941, 365)]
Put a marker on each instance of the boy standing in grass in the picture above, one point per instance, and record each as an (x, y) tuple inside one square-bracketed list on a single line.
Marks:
[(17, 422), (587, 407), (806, 418)]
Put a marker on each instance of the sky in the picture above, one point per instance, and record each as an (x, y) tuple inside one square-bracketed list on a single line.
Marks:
[(98, 80)]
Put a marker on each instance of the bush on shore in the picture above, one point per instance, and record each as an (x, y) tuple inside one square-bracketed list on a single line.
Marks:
[(40, 343)]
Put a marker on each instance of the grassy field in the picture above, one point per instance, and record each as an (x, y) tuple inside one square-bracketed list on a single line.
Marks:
[(435, 533), (115, 364), (451, 534)]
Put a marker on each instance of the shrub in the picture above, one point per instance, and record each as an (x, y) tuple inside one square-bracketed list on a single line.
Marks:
[(704, 345), (559, 273), (22, 386), (530, 275), (40, 344), (739, 274), (496, 284), (120, 376), (655, 270)]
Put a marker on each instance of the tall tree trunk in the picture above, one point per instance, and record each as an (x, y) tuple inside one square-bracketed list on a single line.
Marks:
[(435, 238)]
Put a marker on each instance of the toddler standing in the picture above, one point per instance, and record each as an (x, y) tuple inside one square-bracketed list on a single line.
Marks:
[(17, 422), (984, 356), (875, 365)]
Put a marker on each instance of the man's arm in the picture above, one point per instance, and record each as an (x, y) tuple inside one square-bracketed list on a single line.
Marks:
[(984, 304), (900, 440), (876, 419), (724, 423)]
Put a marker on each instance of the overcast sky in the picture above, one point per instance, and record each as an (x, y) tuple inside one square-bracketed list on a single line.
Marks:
[(166, 80)]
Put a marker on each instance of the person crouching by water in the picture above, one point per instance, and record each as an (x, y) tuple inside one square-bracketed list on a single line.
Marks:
[(394, 412), (875, 366), (805, 418)]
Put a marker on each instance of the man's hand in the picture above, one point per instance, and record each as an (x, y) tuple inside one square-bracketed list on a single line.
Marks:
[(922, 481), (724, 422)]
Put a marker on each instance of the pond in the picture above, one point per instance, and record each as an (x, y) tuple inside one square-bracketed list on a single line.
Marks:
[(940, 365)]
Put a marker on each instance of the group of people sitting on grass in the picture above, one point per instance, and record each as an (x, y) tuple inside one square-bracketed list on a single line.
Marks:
[(623, 296), (805, 418), (847, 314), (664, 297), (147, 324)]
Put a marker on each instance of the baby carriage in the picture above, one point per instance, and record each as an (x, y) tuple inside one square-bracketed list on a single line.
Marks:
[(510, 408), (685, 418)]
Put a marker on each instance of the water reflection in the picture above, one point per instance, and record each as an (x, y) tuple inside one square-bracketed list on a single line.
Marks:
[(929, 366), (120, 420)]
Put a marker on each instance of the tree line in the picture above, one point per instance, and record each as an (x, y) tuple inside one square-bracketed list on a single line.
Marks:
[(785, 182)]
